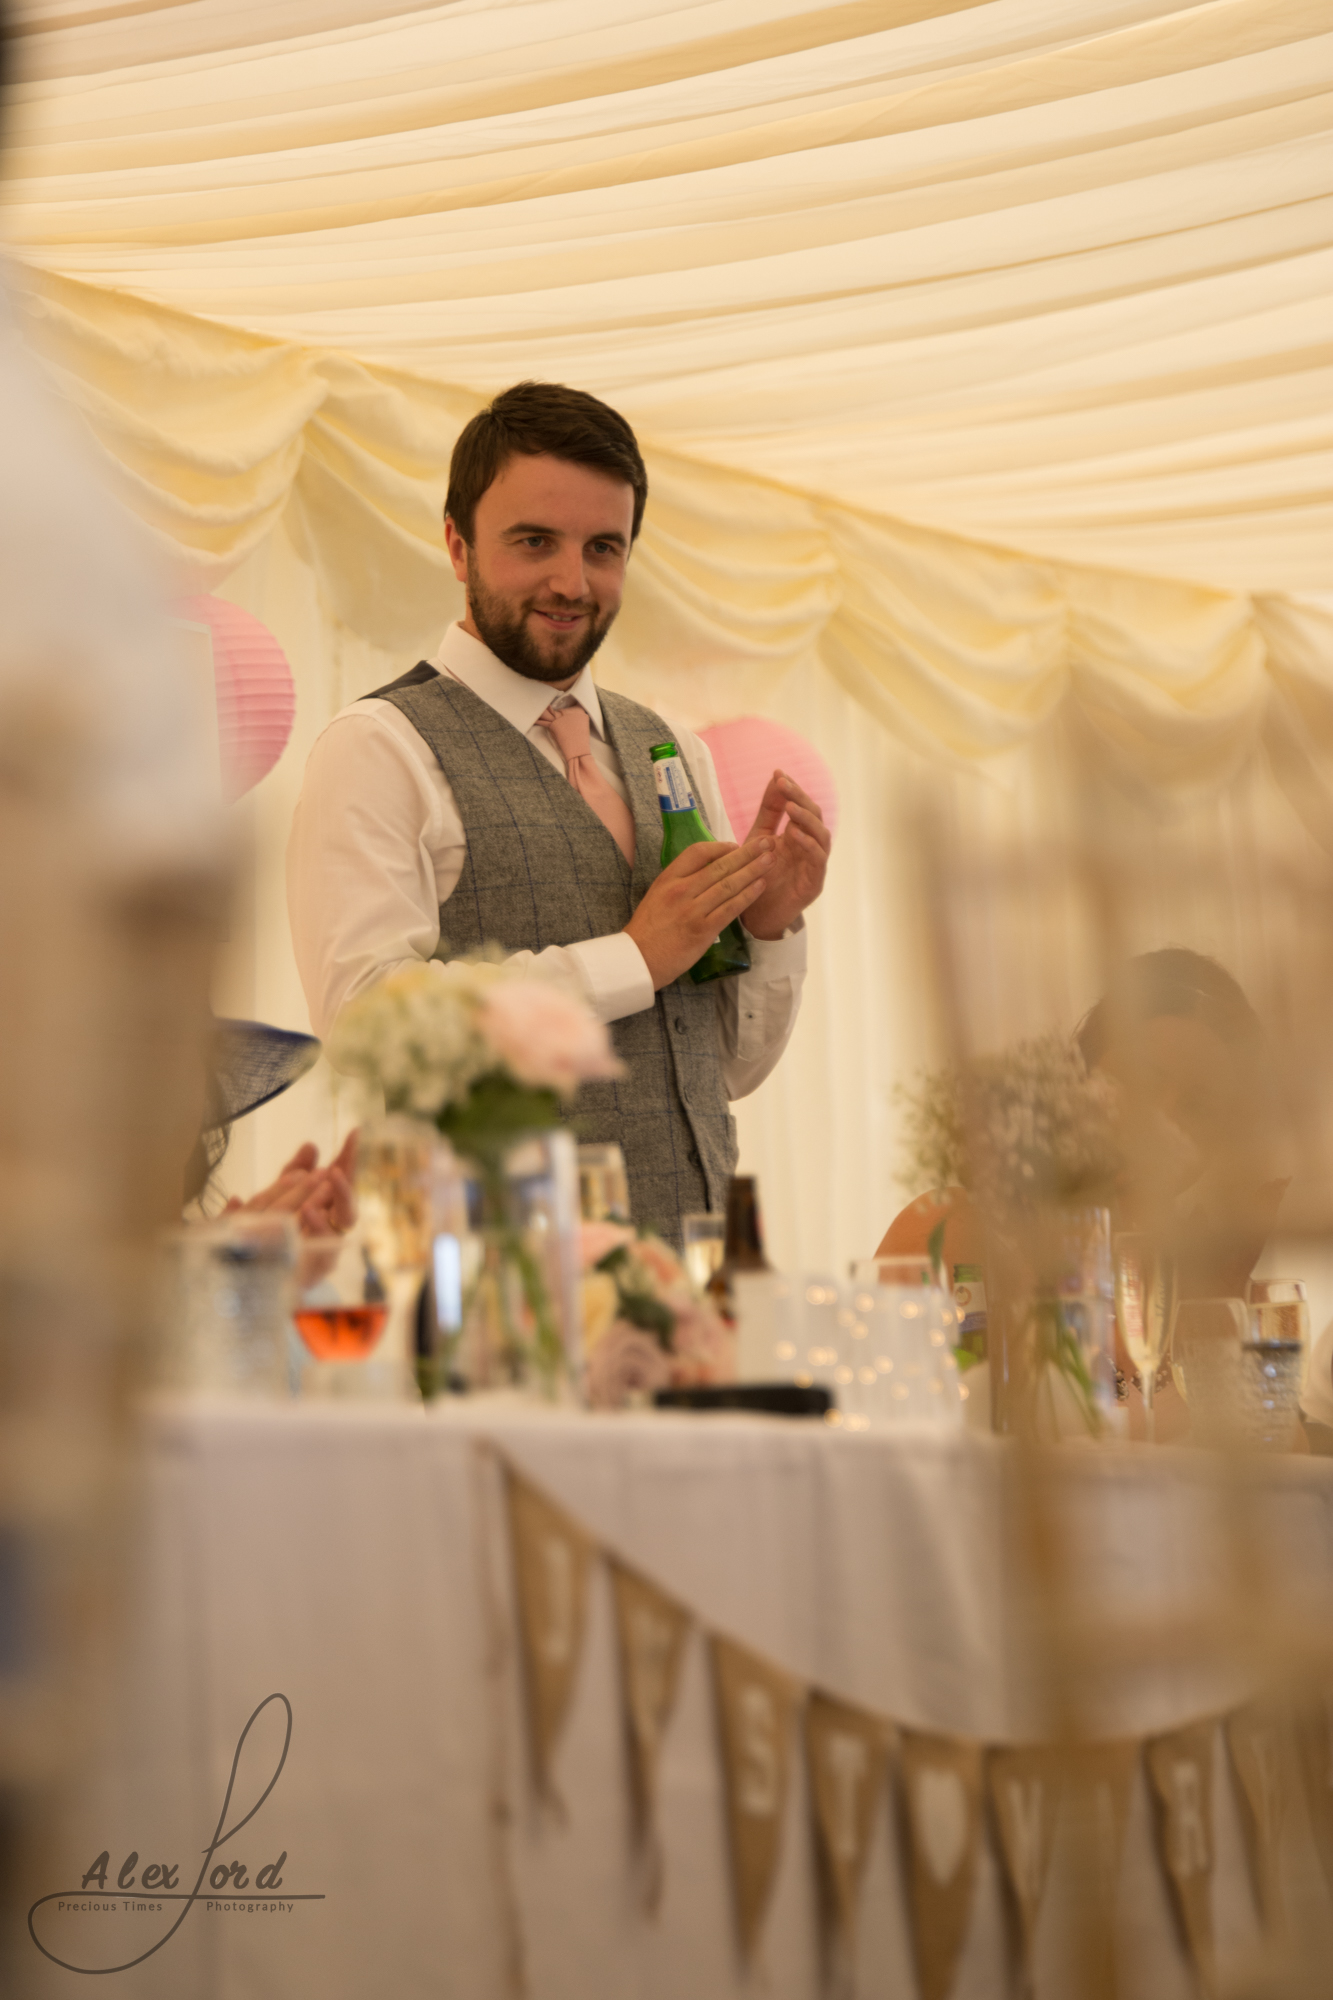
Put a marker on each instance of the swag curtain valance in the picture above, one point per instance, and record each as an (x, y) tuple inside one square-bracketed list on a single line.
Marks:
[(960, 649)]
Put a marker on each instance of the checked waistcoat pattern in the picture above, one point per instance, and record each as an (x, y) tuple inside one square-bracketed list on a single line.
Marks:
[(541, 870)]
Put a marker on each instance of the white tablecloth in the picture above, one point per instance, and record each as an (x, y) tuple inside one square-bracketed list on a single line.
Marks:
[(346, 1559)]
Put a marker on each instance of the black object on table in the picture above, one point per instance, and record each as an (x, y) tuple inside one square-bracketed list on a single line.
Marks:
[(774, 1399)]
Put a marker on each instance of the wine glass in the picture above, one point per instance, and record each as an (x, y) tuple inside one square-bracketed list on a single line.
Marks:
[(704, 1243), (603, 1183), (1145, 1310), (342, 1308)]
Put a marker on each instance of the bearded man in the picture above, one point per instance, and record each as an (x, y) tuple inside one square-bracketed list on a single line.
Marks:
[(496, 796)]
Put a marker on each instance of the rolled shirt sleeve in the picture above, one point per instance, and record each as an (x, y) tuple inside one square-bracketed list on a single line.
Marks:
[(758, 1012), (375, 852)]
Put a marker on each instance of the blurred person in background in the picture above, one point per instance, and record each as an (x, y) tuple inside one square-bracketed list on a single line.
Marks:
[(250, 1064), (1185, 1047)]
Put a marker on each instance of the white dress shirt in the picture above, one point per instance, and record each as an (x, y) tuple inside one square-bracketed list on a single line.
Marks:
[(377, 845)]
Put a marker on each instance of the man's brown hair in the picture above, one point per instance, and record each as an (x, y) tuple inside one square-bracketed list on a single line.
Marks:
[(536, 419)]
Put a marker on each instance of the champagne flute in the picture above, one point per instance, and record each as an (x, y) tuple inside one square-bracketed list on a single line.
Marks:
[(1145, 1307), (396, 1193), (704, 1239)]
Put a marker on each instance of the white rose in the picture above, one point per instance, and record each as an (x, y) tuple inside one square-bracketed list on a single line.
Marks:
[(598, 1295)]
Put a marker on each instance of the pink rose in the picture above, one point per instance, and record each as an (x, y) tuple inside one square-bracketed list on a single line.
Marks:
[(703, 1348), (625, 1363), (599, 1239), (546, 1038), (660, 1262)]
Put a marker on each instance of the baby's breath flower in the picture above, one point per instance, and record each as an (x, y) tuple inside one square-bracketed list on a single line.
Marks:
[(1027, 1126)]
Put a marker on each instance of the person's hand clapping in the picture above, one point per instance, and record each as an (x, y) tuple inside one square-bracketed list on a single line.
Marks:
[(693, 900), (320, 1198), (800, 858)]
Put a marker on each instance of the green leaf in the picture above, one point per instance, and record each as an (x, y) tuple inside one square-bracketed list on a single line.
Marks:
[(935, 1248), (495, 1114), (641, 1309)]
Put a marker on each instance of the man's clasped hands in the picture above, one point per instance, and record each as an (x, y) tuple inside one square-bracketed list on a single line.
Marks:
[(768, 879)]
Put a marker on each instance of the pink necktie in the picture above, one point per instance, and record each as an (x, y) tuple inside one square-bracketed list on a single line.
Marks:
[(570, 728)]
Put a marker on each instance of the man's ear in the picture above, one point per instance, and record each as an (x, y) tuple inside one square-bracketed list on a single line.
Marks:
[(456, 548)]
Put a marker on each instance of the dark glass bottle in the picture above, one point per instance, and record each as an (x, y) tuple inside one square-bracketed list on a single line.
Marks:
[(682, 827), (744, 1248)]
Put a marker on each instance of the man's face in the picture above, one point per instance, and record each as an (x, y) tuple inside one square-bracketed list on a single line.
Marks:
[(546, 567)]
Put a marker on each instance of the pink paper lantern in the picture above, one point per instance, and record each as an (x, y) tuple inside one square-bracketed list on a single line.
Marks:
[(748, 751), (256, 694)]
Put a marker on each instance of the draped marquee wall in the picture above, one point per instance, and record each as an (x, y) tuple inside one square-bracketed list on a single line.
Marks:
[(892, 293)]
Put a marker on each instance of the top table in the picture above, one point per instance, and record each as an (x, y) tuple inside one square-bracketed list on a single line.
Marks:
[(355, 1560)]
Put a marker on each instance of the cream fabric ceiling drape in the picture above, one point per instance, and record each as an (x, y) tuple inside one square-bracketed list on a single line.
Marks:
[(961, 650), (1048, 273)]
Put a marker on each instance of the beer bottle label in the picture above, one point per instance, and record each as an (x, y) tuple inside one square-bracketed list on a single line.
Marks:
[(673, 787)]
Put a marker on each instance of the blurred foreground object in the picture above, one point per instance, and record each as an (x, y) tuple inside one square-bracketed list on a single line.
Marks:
[(1214, 1048), (109, 895)]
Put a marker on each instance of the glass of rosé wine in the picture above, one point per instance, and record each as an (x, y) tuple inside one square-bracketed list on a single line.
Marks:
[(342, 1307)]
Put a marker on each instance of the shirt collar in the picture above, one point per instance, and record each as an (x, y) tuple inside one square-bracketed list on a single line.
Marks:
[(511, 695)]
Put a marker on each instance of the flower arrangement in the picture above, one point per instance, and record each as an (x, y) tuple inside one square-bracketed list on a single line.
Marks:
[(644, 1325), (1035, 1138), (1028, 1127), (486, 1051), (490, 1054)]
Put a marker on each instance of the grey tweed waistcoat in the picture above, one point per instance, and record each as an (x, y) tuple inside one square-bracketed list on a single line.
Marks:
[(541, 870)]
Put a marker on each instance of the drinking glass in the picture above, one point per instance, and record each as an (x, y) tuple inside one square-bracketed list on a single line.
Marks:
[(907, 1371), (1145, 1307), (1220, 1371), (234, 1295), (341, 1311), (603, 1183), (1279, 1313), (1199, 1325), (1273, 1360), (814, 1332), (704, 1240)]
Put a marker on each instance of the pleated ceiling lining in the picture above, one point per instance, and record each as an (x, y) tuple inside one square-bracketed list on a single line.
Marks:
[(928, 315)]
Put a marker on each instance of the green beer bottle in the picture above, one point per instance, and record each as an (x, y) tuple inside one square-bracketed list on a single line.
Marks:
[(682, 826)]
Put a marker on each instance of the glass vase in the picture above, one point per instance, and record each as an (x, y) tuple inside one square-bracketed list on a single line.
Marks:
[(1053, 1327), (520, 1310)]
